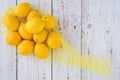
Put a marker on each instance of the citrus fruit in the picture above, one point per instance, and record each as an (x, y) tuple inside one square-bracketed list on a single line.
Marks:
[(11, 22), (50, 21), (22, 10), (23, 32), (13, 38), (25, 47), (34, 25), (40, 37), (33, 14), (54, 40), (41, 51)]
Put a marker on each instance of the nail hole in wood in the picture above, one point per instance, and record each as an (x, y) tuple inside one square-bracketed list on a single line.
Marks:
[(107, 31), (74, 27), (89, 26)]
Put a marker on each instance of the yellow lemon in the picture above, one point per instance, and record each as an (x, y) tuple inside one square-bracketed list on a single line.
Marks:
[(41, 51), (25, 47), (50, 21), (54, 40), (11, 22), (32, 14), (34, 25), (40, 37), (13, 38), (23, 32), (22, 10)]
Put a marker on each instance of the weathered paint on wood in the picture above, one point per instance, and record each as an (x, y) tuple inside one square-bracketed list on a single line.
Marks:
[(68, 14), (7, 53), (90, 26), (30, 68)]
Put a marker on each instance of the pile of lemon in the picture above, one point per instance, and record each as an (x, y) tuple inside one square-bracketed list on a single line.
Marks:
[(34, 34)]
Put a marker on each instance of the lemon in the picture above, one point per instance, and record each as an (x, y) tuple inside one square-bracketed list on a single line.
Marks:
[(11, 22), (40, 37), (23, 32), (34, 25), (41, 51), (54, 40), (13, 38), (32, 14), (50, 21), (22, 10), (25, 47)]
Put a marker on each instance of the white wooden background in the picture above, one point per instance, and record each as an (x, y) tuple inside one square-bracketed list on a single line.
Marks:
[(92, 27)]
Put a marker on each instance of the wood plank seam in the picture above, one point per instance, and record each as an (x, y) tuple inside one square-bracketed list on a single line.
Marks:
[(81, 32), (16, 59), (51, 49)]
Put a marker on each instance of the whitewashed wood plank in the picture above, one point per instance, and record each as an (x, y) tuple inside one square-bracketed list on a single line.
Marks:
[(7, 53), (116, 39), (68, 15), (97, 25), (30, 68)]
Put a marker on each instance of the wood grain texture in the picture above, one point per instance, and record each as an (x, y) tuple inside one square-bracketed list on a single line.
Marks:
[(92, 27), (115, 23), (98, 23), (7, 53), (30, 68), (68, 15)]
